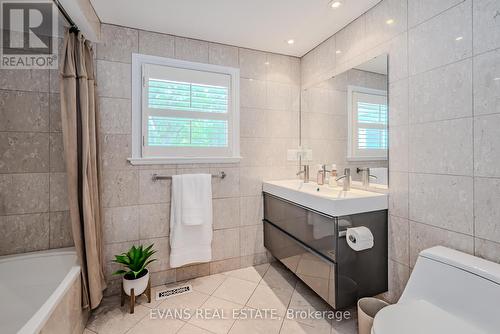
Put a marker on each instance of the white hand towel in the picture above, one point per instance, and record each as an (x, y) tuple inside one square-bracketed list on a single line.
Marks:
[(196, 198), (188, 243)]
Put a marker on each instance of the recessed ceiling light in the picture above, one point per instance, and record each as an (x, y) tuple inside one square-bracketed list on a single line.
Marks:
[(497, 79), (459, 38), (335, 4), (266, 63), (338, 51), (390, 21), (290, 41)]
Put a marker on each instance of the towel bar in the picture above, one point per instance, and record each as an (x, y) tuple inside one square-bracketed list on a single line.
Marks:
[(157, 177)]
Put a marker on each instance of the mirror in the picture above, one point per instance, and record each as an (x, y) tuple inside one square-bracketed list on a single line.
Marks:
[(344, 120)]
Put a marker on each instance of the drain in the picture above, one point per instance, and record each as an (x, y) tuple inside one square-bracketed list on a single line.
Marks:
[(179, 290)]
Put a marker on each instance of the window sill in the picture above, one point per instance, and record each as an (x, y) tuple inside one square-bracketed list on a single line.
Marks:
[(179, 161)]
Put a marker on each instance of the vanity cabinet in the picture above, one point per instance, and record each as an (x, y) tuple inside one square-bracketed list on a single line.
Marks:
[(313, 246)]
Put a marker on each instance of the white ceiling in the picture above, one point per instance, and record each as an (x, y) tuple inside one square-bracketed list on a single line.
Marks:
[(258, 24)]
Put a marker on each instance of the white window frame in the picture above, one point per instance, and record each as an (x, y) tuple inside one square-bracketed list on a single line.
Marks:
[(351, 149), (138, 156)]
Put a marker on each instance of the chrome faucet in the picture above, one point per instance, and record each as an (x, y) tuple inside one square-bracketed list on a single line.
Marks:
[(305, 171), (347, 179), (365, 176)]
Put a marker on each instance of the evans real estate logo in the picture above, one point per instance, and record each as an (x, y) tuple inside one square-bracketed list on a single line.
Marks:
[(29, 35)]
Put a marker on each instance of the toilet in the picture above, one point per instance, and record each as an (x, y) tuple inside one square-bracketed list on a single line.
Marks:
[(449, 292)]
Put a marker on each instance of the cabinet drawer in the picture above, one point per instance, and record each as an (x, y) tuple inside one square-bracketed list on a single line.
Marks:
[(316, 230)]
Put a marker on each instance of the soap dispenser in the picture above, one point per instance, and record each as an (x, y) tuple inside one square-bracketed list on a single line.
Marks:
[(333, 175)]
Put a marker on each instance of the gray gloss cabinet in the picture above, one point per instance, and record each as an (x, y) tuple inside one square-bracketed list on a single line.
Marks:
[(313, 246)]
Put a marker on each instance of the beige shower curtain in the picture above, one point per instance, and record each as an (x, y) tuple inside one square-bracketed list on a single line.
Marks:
[(78, 112)]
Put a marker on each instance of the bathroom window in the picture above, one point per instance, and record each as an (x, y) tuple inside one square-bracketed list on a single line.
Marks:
[(367, 111), (184, 112)]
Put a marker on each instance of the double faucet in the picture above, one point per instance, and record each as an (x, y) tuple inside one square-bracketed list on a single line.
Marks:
[(346, 176)]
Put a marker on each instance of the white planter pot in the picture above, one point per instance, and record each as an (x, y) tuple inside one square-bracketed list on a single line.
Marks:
[(139, 285)]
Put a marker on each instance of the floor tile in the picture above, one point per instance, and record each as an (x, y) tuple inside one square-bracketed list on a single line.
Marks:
[(277, 276), (110, 318), (219, 325), (235, 290), (256, 326), (191, 300), (294, 327), (190, 329), (150, 325), (207, 284), (154, 303), (252, 274), (265, 297)]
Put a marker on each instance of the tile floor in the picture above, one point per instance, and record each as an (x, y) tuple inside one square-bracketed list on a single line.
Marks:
[(266, 286)]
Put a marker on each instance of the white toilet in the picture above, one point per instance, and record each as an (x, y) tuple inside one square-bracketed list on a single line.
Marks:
[(449, 292)]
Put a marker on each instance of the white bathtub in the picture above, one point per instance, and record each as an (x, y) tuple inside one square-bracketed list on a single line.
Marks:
[(39, 289)]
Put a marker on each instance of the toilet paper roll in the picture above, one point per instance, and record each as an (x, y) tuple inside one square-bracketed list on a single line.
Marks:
[(359, 238)]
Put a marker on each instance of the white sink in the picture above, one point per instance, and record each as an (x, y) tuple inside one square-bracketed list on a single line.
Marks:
[(329, 200)]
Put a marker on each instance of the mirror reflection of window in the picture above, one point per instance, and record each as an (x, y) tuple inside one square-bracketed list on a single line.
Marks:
[(368, 123)]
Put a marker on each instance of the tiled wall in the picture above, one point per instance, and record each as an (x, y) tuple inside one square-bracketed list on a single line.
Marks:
[(444, 58), (324, 119), (136, 209), (33, 207)]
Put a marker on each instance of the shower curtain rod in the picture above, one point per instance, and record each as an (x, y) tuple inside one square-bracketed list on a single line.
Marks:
[(66, 16)]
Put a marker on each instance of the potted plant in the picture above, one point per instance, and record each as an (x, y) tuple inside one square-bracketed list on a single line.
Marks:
[(135, 261)]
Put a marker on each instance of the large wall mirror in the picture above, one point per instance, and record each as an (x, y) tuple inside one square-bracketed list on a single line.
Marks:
[(344, 120)]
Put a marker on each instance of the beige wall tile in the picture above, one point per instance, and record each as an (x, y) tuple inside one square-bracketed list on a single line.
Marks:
[(55, 113), (398, 277), (24, 233), (154, 220), (151, 192), (115, 79), (422, 10), (189, 272), (191, 49), (226, 212), (350, 41), (226, 244), (487, 250), (115, 150), (217, 267), (425, 236), (225, 55), (120, 188), (24, 193), (252, 240), (58, 192), (398, 196), (443, 201), (487, 83), (24, 152), (115, 116), (61, 234), (56, 154), (486, 149), (24, 111), (25, 80), (155, 44), (486, 25), (162, 255), (252, 210), (117, 43), (399, 235), (253, 64), (376, 21), (442, 147), (253, 93), (430, 102), (398, 103), (434, 43), (120, 224), (486, 208)]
